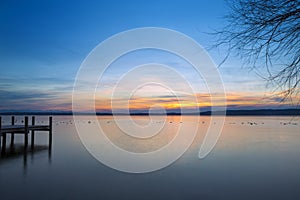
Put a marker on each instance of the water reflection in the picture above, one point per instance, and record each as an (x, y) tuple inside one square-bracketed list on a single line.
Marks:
[(18, 151), (255, 158)]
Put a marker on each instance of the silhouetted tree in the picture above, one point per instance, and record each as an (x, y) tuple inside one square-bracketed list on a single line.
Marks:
[(266, 33)]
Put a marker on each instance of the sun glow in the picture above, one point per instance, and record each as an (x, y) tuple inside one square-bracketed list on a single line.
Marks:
[(233, 100)]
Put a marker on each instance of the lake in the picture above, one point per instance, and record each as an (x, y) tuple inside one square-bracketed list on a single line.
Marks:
[(254, 158)]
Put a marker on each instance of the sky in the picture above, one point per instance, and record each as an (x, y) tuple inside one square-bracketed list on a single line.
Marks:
[(44, 43)]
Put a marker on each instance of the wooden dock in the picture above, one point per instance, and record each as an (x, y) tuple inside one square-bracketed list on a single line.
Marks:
[(24, 129)]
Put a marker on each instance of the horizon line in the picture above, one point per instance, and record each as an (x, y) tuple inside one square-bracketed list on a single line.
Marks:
[(227, 112)]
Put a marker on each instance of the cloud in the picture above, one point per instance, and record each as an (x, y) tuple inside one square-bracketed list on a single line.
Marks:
[(42, 93), (34, 100), (233, 101), (56, 94)]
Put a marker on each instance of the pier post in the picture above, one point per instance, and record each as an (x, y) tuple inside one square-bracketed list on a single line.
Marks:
[(0, 131), (50, 132), (32, 132), (12, 136), (26, 132), (2, 145)]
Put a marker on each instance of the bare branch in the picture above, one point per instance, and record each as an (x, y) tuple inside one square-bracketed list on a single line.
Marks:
[(265, 33)]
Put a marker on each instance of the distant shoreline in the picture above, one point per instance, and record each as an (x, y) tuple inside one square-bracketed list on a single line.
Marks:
[(255, 112)]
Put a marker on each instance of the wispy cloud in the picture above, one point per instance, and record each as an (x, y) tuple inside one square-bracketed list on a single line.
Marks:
[(233, 101), (34, 100)]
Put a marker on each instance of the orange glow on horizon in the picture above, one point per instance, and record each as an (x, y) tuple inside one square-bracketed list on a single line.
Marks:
[(186, 102)]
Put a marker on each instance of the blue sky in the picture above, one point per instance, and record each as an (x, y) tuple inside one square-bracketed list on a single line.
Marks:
[(43, 43)]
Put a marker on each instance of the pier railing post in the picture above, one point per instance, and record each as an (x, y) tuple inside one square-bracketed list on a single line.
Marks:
[(32, 132), (0, 134), (50, 132), (3, 147), (12, 136), (26, 132)]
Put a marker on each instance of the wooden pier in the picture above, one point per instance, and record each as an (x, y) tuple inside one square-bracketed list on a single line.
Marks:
[(24, 129)]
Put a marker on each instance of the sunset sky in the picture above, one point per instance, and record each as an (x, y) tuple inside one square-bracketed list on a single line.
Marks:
[(43, 43)]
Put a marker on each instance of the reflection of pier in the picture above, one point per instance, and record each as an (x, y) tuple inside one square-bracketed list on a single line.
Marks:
[(17, 151), (25, 129)]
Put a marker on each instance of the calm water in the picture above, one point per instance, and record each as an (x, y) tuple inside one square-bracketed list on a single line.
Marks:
[(255, 158)]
